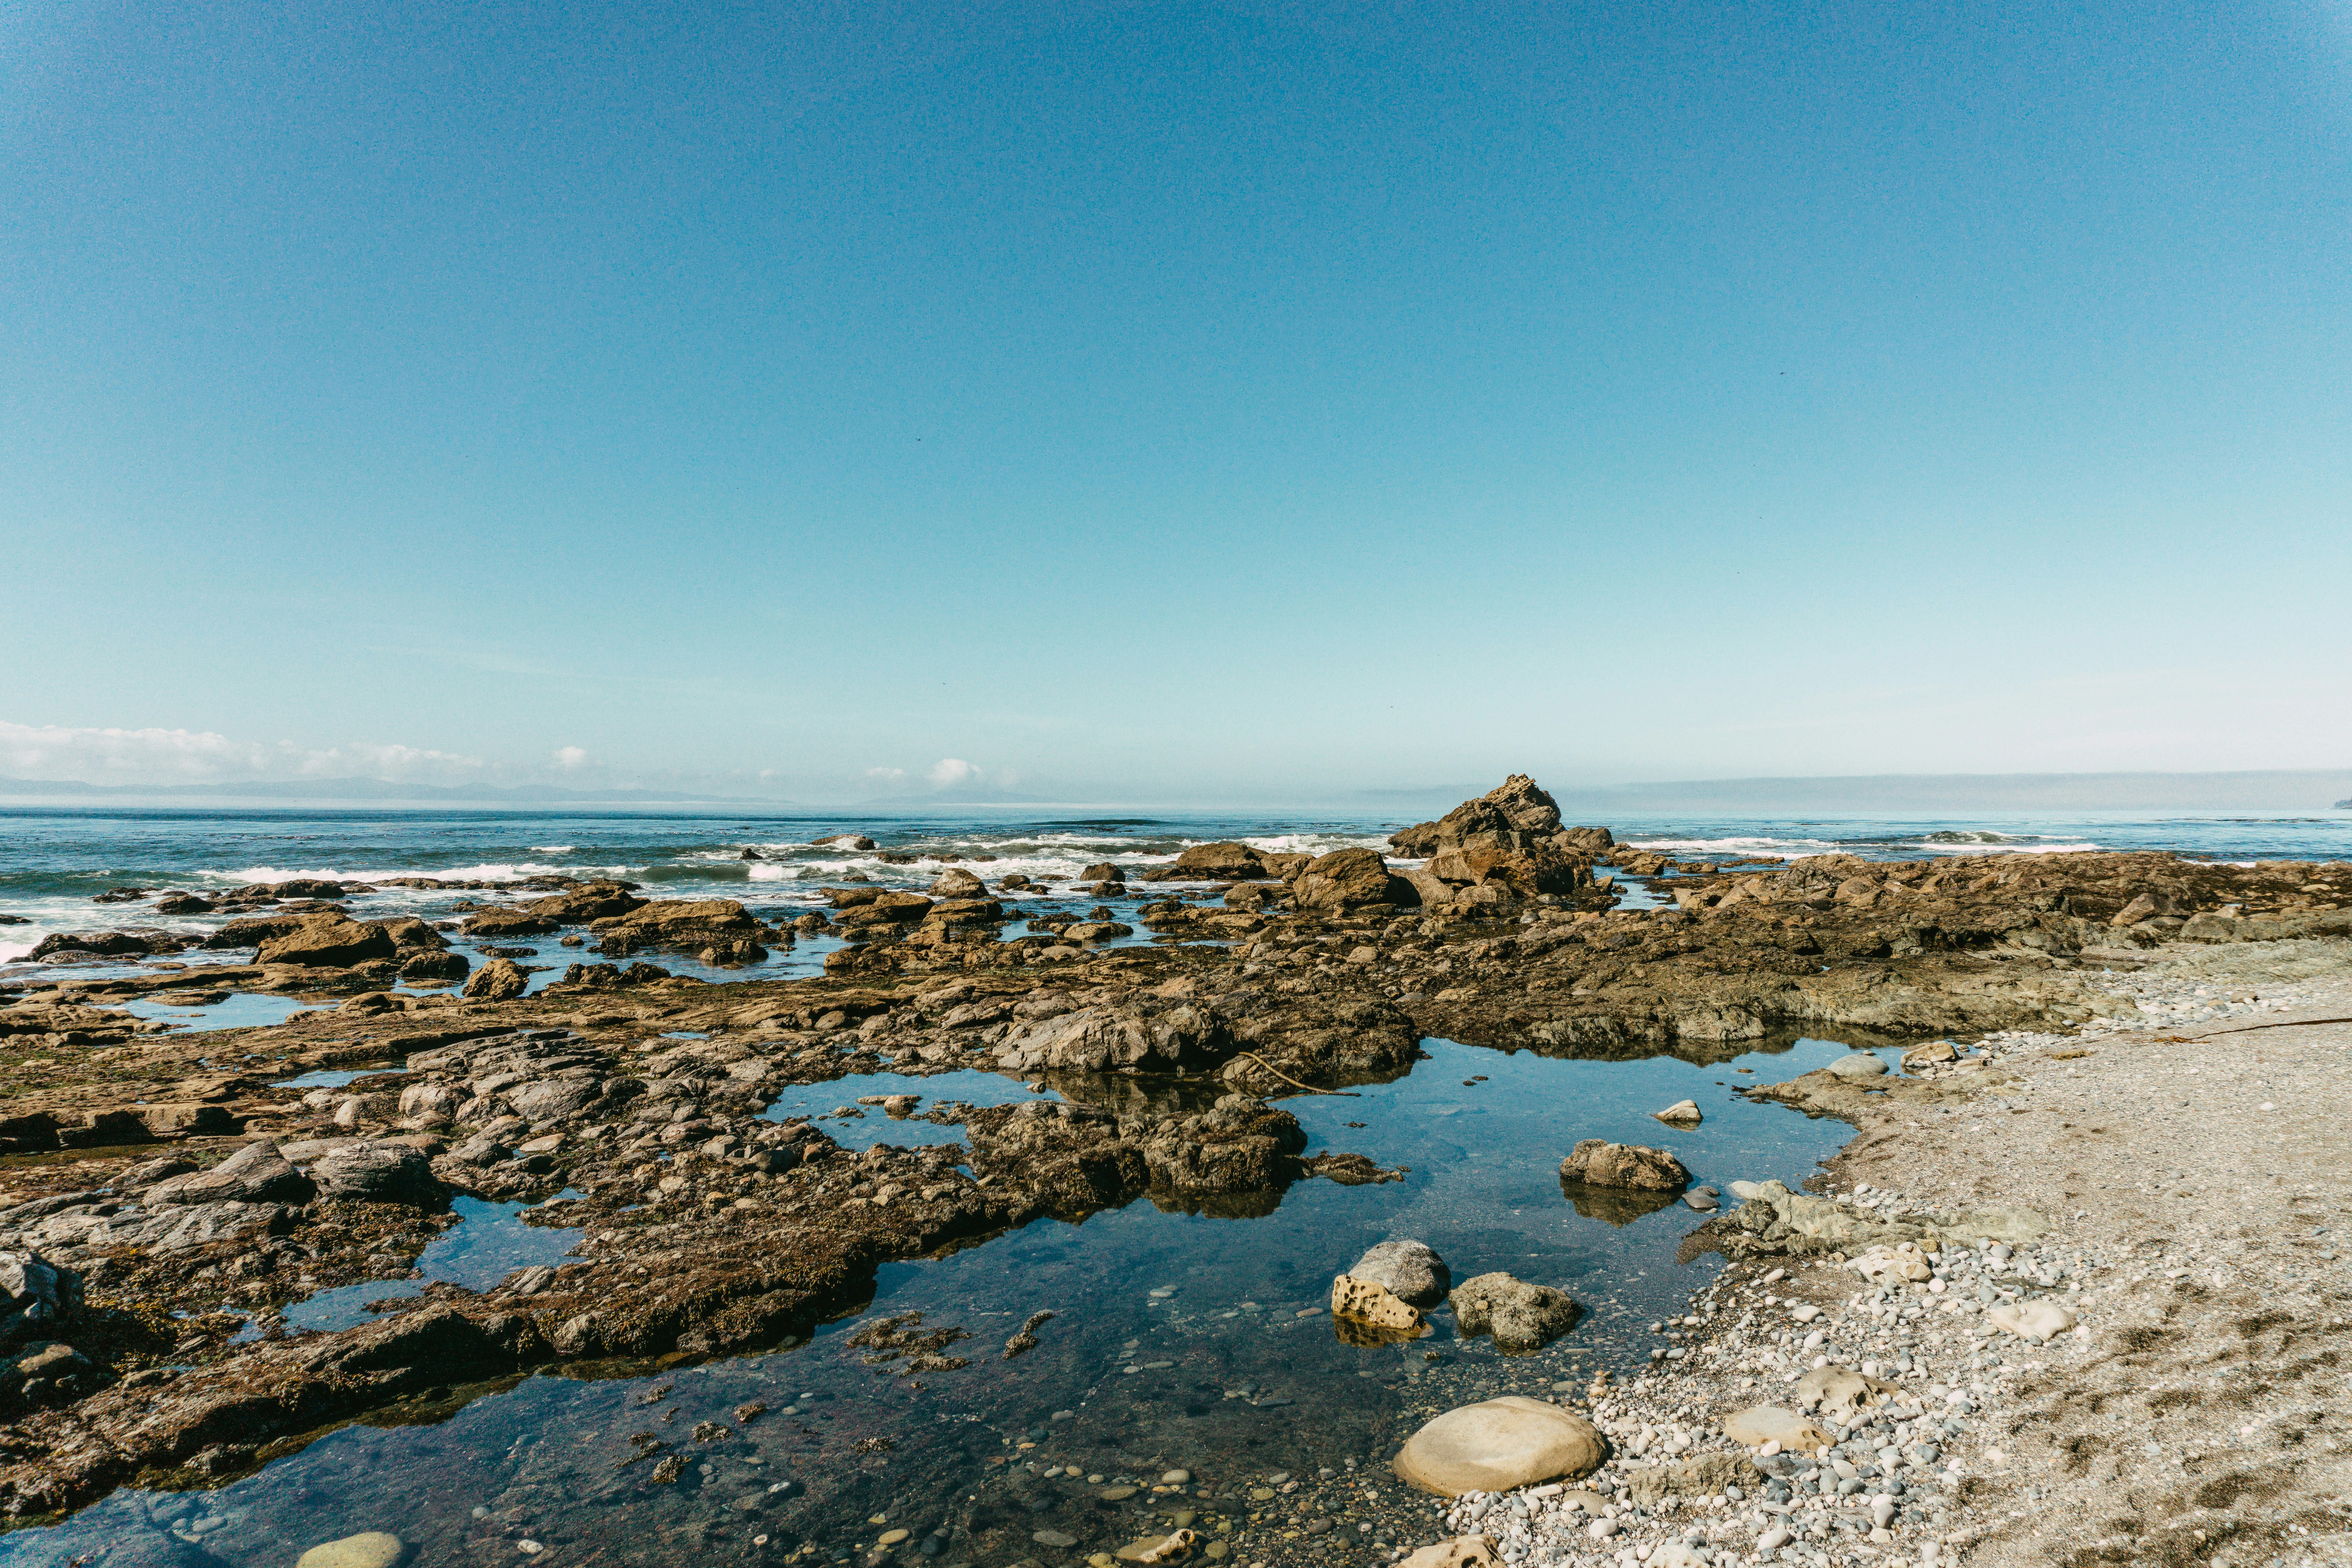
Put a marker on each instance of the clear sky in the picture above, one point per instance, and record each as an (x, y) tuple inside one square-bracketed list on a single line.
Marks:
[(1173, 401)]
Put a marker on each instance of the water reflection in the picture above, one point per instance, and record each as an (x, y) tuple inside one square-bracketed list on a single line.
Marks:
[(1192, 1339)]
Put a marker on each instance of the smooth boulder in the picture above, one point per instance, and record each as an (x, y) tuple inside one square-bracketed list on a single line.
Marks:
[(1681, 1113), (1597, 1162), (1860, 1064), (1410, 1270), (1496, 1445), (1521, 1317), (955, 882), (374, 1549)]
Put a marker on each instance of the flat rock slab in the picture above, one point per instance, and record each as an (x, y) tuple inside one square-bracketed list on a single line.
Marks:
[(1762, 1424), (1496, 1445), (2040, 1322)]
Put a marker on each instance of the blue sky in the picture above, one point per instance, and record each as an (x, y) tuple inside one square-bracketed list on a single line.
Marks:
[(1172, 402)]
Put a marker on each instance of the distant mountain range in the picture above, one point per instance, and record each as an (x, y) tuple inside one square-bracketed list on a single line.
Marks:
[(366, 789)]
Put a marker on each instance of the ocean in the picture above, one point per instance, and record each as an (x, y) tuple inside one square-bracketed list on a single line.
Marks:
[(54, 861)]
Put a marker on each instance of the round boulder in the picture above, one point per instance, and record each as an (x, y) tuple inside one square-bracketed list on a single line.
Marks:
[(1410, 1271), (1861, 1064), (1497, 1445), (373, 1550)]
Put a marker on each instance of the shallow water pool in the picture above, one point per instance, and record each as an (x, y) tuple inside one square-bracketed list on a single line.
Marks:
[(1184, 1338)]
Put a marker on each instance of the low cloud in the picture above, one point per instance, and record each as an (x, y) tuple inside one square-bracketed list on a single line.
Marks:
[(112, 756), (887, 775), (952, 773), (571, 757)]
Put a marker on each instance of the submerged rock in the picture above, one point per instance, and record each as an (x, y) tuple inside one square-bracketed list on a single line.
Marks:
[(1521, 1317), (1496, 1445), (373, 1550)]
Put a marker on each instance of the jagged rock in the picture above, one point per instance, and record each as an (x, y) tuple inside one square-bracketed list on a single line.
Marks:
[(1372, 1304), (1497, 1445), (1681, 1113), (588, 901), (1105, 1038), (1520, 1316), (1600, 1163), (376, 1172), (1345, 878), (955, 882), (1102, 871), (500, 980), (257, 1174), (1410, 1270), (689, 924), (36, 1297)]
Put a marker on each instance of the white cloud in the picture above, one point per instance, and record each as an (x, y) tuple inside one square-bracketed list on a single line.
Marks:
[(571, 757), (101, 755), (887, 775), (950, 773)]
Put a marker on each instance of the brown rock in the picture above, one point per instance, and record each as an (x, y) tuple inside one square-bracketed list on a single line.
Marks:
[(1344, 878), (500, 980), (1600, 1163), (1225, 862), (329, 944)]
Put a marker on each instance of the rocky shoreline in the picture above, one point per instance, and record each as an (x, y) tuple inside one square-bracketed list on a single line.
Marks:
[(180, 1204)]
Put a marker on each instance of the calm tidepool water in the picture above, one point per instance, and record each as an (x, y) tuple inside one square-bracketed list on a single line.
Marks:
[(1189, 1340)]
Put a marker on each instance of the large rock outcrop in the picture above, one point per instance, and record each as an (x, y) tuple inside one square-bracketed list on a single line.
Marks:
[(1509, 839)]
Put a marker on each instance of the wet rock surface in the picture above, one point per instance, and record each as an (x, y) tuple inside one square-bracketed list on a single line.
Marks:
[(199, 1197)]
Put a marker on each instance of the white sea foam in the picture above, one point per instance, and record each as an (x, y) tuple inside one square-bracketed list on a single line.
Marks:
[(487, 872), (1799, 849), (12, 950), (553, 849)]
